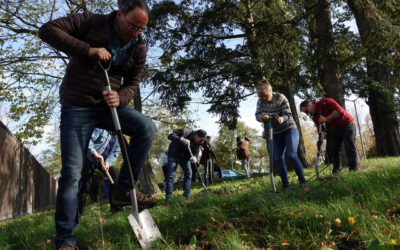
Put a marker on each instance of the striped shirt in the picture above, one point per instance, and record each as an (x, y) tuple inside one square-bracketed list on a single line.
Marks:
[(278, 105)]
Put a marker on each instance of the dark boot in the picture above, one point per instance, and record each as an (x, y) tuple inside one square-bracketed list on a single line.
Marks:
[(122, 198)]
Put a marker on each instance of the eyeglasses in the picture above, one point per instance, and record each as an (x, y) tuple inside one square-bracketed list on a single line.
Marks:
[(134, 27)]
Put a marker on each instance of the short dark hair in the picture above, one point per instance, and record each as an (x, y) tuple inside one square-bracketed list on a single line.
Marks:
[(201, 133), (305, 103), (127, 5)]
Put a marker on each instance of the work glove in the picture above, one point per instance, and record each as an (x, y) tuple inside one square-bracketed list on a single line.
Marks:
[(265, 118), (193, 159), (184, 141), (319, 143), (276, 119), (322, 119)]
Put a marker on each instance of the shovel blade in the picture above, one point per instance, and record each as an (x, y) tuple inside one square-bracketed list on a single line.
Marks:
[(147, 234)]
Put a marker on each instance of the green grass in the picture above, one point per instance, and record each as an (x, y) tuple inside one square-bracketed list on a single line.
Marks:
[(241, 213)]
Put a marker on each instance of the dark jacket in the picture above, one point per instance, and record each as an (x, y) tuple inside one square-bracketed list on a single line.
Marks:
[(206, 153), (177, 148), (83, 80)]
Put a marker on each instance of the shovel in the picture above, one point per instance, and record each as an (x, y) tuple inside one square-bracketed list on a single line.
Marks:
[(195, 164), (318, 145), (142, 223), (270, 153)]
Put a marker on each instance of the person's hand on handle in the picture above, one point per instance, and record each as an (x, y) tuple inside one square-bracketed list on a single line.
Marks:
[(106, 166), (322, 119), (277, 119), (98, 157), (111, 98), (100, 53), (266, 118)]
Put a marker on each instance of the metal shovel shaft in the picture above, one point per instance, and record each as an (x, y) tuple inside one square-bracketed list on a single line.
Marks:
[(318, 152), (195, 165), (270, 152), (142, 224)]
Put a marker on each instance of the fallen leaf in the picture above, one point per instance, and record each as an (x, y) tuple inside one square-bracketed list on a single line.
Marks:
[(337, 222), (351, 221)]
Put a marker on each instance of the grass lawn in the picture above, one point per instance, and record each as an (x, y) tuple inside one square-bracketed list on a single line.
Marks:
[(351, 210)]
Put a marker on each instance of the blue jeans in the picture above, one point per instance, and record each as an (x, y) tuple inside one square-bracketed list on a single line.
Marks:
[(288, 142), (77, 124), (171, 171)]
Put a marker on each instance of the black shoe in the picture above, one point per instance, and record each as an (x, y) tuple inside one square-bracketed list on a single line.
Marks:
[(353, 169), (123, 198), (115, 209)]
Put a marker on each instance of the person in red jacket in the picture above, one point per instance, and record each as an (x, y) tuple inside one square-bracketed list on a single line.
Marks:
[(115, 40), (328, 111)]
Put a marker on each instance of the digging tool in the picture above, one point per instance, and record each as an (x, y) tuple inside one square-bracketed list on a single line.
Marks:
[(318, 145), (192, 158), (270, 153), (142, 223)]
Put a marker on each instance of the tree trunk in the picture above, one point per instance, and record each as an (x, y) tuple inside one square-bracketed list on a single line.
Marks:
[(375, 34), (147, 179), (326, 54), (328, 69)]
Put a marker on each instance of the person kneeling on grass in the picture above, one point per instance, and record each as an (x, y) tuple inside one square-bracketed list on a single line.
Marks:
[(178, 153), (274, 105)]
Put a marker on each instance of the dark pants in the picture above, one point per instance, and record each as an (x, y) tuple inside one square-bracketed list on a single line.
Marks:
[(165, 170), (209, 171), (194, 171), (86, 181), (345, 135)]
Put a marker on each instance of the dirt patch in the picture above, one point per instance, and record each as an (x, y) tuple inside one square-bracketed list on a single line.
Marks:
[(222, 192), (351, 244), (394, 213)]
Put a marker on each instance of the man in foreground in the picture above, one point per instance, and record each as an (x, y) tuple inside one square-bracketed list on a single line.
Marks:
[(87, 39)]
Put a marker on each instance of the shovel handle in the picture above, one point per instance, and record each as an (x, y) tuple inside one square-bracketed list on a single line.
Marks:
[(270, 139), (110, 178), (121, 140)]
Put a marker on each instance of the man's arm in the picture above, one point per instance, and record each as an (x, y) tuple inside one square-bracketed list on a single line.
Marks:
[(58, 33)]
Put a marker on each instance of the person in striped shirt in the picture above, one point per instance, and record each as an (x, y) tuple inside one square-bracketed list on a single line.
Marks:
[(275, 106)]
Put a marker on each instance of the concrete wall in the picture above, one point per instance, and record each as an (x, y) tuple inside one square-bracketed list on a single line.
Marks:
[(25, 186)]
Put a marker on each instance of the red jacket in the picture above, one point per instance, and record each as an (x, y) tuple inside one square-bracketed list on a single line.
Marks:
[(84, 81), (329, 107)]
